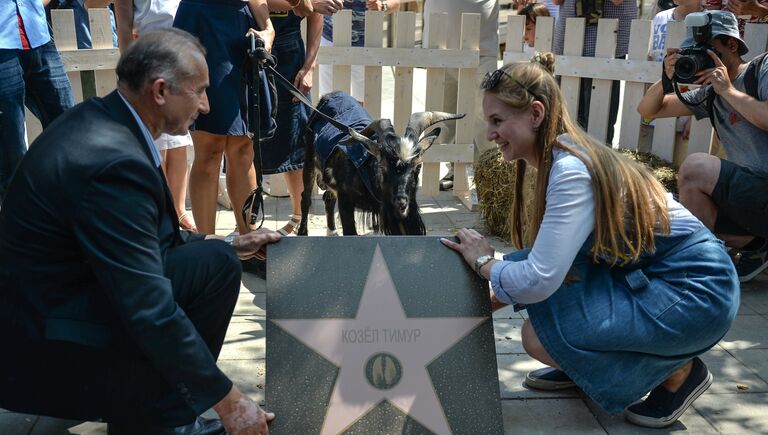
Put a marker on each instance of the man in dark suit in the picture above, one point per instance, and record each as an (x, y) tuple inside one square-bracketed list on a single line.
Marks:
[(107, 310)]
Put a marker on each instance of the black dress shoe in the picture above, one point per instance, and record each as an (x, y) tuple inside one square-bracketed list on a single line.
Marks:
[(446, 183), (255, 266), (201, 426)]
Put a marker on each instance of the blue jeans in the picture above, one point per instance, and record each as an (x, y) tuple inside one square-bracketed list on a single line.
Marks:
[(35, 78)]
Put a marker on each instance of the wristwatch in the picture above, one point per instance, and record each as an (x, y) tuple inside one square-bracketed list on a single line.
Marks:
[(482, 261), (383, 5)]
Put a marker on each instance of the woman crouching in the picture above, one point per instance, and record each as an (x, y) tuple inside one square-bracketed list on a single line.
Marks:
[(623, 286)]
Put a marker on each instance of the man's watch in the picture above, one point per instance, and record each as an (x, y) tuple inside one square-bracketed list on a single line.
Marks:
[(482, 261), (384, 5)]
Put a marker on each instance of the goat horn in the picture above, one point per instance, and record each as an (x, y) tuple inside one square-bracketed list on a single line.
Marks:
[(378, 127), (421, 121)]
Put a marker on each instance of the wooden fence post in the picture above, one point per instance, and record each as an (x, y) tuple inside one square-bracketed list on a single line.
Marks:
[(435, 98)]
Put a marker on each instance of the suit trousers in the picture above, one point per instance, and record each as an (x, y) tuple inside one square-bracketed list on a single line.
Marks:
[(119, 383)]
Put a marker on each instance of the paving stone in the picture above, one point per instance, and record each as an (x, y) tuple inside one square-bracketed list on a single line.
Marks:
[(755, 359), (512, 370), (247, 375), (250, 306), (730, 374), (507, 335), (548, 417), (432, 219), (244, 340), (56, 426), (691, 421), (756, 297), (15, 423), (747, 332), (735, 414)]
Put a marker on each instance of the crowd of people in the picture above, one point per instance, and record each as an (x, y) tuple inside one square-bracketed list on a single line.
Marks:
[(102, 271)]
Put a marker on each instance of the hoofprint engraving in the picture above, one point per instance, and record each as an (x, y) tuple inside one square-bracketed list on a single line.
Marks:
[(382, 354)]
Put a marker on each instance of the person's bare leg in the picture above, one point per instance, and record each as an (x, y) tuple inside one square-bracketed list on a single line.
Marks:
[(295, 183), (695, 181), (241, 176), (675, 381), (204, 179), (533, 346), (176, 173)]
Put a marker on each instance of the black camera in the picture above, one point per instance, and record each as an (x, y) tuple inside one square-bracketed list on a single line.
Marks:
[(695, 58)]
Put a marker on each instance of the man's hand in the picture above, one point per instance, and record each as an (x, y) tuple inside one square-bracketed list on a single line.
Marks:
[(242, 416), (717, 76), (327, 7), (377, 5), (254, 243), (670, 59)]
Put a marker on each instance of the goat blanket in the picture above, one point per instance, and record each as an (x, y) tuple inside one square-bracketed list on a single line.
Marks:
[(347, 110)]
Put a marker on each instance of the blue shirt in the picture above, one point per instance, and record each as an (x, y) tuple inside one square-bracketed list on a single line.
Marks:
[(147, 136), (32, 15)]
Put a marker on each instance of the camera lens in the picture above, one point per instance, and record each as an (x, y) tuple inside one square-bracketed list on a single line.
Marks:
[(686, 68)]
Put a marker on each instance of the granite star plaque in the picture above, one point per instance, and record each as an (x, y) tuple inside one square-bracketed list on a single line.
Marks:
[(378, 335)]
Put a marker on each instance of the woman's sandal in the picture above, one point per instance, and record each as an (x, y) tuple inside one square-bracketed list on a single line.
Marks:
[(187, 222), (291, 227)]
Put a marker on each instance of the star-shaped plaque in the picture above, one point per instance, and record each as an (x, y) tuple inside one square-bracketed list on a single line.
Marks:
[(381, 355)]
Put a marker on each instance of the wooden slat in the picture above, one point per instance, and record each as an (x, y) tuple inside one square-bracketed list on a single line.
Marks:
[(544, 30), (664, 131), (574, 43), (756, 38), (101, 35), (404, 38), (435, 98), (449, 153), (89, 60), (639, 42), (406, 57), (342, 37), (63, 24), (700, 139), (601, 88), (467, 91), (374, 34), (515, 29), (635, 70)]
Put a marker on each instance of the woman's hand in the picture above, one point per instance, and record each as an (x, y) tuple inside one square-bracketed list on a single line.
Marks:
[(268, 36), (471, 245), (303, 81), (378, 5), (327, 7)]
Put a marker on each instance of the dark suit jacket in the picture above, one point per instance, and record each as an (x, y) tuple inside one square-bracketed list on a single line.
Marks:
[(83, 232)]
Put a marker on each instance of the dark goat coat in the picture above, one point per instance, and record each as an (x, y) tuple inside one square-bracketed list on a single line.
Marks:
[(350, 173)]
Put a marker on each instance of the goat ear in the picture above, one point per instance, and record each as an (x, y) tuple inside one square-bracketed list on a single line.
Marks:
[(426, 142)]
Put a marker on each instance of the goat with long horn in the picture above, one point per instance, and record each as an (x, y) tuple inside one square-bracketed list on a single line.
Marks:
[(374, 170)]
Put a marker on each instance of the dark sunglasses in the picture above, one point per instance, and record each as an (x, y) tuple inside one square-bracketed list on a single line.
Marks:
[(492, 79), (254, 205)]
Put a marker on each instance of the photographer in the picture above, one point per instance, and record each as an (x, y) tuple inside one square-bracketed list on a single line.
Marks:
[(729, 196)]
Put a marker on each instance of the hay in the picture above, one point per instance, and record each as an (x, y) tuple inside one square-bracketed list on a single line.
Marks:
[(495, 184), (663, 170)]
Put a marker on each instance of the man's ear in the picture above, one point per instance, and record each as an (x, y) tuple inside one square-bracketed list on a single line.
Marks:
[(159, 89)]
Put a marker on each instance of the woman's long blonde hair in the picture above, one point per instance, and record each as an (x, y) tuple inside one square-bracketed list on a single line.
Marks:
[(630, 204)]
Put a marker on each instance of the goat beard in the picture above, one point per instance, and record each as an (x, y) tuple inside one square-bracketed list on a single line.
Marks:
[(393, 224)]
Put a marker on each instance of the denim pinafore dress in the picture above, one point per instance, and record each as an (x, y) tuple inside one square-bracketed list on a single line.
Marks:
[(619, 331)]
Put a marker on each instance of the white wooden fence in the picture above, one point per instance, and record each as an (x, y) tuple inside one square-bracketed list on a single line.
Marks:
[(635, 72), (404, 56)]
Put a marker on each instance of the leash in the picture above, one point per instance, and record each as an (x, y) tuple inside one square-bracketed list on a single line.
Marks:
[(261, 58)]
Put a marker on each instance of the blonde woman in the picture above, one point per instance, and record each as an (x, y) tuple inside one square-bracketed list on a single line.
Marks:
[(624, 287)]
